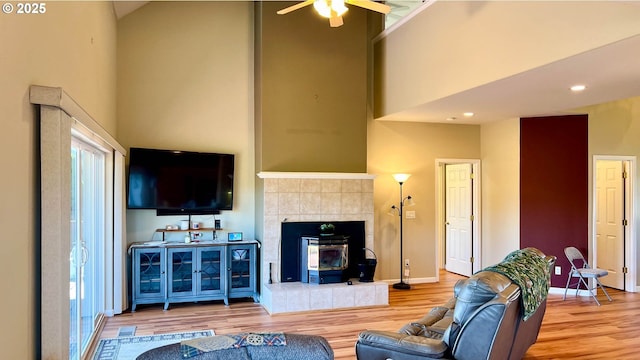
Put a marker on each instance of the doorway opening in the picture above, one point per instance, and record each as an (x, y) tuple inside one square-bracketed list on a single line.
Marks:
[(613, 230), (458, 216)]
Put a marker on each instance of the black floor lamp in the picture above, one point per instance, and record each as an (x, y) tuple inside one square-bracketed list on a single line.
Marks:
[(401, 178)]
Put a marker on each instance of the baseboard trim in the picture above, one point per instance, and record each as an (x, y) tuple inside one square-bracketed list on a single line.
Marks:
[(570, 292), (410, 281)]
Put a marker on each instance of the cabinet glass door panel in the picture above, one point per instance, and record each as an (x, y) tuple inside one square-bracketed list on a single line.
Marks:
[(211, 270), (150, 273), (240, 267), (182, 272)]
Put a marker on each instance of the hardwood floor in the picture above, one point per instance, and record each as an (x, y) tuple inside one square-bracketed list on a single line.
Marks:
[(575, 328)]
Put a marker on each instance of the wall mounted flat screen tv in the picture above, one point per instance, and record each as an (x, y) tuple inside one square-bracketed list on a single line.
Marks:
[(180, 182)]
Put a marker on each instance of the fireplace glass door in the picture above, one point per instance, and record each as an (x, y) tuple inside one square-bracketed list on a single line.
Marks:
[(327, 257)]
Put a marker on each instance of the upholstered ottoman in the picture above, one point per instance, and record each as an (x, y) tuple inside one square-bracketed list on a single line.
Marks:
[(297, 347)]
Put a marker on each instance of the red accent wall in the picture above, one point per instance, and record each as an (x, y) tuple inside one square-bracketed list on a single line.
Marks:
[(554, 210)]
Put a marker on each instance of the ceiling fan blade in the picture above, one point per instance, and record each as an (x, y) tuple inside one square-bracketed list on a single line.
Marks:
[(370, 5), (295, 7), (335, 21)]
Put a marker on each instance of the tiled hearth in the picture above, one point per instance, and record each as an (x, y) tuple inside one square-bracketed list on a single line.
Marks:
[(324, 197), (297, 296)]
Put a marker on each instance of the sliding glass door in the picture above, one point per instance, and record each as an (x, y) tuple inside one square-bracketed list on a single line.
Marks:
[(86, 281), (82, 221)]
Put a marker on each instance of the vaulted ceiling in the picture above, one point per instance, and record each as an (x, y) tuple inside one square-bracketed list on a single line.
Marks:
[(611, 72)]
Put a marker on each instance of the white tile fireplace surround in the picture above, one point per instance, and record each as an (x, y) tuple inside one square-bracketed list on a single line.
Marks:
[(324, 197)]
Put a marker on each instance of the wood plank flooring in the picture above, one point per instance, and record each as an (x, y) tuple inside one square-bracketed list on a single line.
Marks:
[(575, 328)]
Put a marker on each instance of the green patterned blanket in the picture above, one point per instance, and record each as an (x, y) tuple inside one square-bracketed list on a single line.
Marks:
[(528, 270)]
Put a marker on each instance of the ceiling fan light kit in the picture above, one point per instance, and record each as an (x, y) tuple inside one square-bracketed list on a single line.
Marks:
[(334, 9), (329, 8)]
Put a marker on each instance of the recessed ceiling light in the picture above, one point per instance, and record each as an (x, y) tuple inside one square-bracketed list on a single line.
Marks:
[(468, 114), (577, 88), (452, 118)]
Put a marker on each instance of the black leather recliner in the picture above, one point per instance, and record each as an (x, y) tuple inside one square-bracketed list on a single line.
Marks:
[(484, 320)]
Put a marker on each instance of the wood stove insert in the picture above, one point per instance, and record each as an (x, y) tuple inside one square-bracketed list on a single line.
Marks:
[(324, 259)]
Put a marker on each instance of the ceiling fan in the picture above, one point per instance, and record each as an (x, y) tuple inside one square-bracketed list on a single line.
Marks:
[(334, 9)]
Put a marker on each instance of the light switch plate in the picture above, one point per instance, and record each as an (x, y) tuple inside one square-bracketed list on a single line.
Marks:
[(410, 214)]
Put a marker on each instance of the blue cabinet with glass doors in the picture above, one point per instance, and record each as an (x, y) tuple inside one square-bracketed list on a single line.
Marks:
[(193, 272)]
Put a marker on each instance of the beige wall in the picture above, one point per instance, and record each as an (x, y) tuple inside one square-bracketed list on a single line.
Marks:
[(464, 44), (71, 46), (185, 82), (313, 90), (500, 189), (614, 129), (413, 148)]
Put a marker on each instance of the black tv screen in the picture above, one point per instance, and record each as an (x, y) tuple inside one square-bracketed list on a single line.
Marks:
[(180, 182)]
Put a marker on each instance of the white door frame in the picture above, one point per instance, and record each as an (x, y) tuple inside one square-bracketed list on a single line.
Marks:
[(630, 210), (440, 213)]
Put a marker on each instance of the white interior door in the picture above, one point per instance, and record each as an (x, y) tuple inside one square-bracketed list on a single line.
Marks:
[(609, 221), (458, 218)]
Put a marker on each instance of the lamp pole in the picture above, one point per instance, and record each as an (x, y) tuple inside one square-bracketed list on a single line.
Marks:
[(401, 178)]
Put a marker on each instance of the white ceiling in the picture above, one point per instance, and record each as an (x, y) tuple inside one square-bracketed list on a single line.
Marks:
[(125, 7), (611, 73)]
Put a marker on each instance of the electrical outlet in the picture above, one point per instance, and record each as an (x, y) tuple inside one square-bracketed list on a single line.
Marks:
[(558, 270), (406, 262)]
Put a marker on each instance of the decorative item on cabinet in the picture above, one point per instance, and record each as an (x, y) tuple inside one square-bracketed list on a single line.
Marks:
[(192, 233)]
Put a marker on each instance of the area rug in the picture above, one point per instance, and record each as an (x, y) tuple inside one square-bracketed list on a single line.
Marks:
[(129, 347)]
